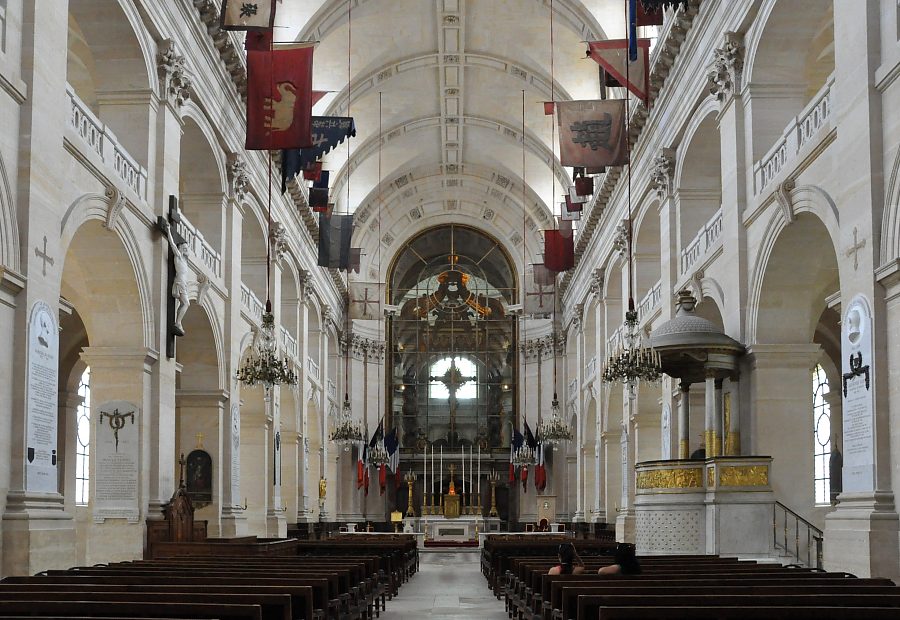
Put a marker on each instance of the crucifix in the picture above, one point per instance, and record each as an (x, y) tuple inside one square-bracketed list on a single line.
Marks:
[(44, 256), (853, 249), (177, 277), (454, 380)]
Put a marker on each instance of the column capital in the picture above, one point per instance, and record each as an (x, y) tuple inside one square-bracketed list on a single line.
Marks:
[(116, 357), (176, 85), (783, 355), (662, 172), (726, 72)]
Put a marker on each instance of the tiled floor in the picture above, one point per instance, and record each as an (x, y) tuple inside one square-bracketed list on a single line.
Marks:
[(449, 585)]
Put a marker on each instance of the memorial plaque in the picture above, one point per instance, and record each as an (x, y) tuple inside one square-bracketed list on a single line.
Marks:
[(857, 392), (115, 470), (41, 400), (235, 454)]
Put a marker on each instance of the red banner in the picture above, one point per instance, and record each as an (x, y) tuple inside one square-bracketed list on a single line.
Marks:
[(279, 98), (612, 55), (592, 133), (559, 250)]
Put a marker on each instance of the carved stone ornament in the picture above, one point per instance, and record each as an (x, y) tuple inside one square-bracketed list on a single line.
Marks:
[(116, 202), (237, 176), (598, 279), (176, 85), (620, 243), (278, 240), (662, 172), (728, 63), (306, 283)]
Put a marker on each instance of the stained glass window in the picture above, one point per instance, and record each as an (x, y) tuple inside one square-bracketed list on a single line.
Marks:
[(821, 435), (83, 441)]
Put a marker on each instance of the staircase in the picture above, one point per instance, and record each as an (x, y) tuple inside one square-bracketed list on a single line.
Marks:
[(796, 540)]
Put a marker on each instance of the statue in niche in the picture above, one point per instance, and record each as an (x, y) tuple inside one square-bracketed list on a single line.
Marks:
[(199, 478)]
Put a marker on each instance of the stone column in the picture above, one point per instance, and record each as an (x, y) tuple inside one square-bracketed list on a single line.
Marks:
[(709, 433), (719, 418), (120, 374), (37, 533), (304, 511), (276, 524), (684, 421), (579, 433), (733, 433)]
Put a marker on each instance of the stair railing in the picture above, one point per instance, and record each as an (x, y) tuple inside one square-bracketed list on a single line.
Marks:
[(796, 536)]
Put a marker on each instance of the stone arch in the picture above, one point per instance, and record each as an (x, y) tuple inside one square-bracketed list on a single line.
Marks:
[(698, 175), (88, 211), (333, 14), (806, 199), (111, 52), (646, 250), (202, 181), (890, 230), (9, 228), (193, 112), (789, 57)]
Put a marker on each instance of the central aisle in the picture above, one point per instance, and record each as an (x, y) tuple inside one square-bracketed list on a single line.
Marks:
[(449, 585)]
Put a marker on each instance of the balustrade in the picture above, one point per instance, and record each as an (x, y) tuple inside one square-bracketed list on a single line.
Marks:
[(708, 236), (200, 247), (313, 368), (590, 368), (801, 130), (289, 344), (251, 304), (100, 139), (650, 302)]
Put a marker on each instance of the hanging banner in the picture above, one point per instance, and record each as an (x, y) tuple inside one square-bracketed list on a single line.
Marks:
[(335, 232), (592, 133), (612, 55), (559, 250), (279, 98), (366, 300), (327, 132), (247, 15), (539, 298)]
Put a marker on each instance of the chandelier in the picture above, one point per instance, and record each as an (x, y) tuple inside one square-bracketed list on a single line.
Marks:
[(263, 364), (554, 429), (523, 457), (378, 456), (346, 431), (632, 361)]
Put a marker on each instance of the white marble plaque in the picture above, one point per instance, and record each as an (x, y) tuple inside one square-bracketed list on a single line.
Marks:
[(235, 454), (115, 471), (41, 400), (858, 401)]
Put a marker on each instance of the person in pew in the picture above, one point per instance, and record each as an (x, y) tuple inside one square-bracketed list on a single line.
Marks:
[(626, 563), (569, 562)]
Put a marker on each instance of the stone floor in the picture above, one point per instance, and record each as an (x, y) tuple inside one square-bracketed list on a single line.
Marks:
[(448, 585)]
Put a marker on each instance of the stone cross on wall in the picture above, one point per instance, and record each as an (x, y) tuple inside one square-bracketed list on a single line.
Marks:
[(44, 256)]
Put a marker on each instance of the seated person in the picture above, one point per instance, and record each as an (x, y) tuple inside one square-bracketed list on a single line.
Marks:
[(569, 562), (625, 562)]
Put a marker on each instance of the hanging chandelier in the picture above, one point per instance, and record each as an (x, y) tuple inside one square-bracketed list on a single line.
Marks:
[(378, 456), (523, 457), (632, 361), (346, 430), (554, 429), (263, 364)]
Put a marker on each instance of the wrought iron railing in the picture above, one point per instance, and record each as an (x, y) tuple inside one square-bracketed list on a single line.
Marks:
[(796, 536)]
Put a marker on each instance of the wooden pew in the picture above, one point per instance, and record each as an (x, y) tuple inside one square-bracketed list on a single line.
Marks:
[(103, 609)]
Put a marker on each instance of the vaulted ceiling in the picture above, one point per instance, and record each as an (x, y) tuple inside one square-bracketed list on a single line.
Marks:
[(448, 77)]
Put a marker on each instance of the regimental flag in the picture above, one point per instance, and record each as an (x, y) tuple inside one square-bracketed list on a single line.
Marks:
[(548, 108), (592, 133), (335, 232), (366, 300), (584, 186), (540, 469), (312, 172), (382, 477), (247, 14), (392, 446), (632, 30), (525, 478), (366, 481), (612, 55), (539, 298), (559, 249), (318, 193), (529, 437), (327, 132), (279, 98), (258, 40), (574, 197), (360, 464), (515, 443), (378, 435), (566, 215), (543, 276), (649, 16), (355, 253)]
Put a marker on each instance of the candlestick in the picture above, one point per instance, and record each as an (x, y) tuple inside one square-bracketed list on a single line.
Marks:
[(441, 482), (470, 474), (432, 481), (425, 482), (463, 459), (479, 474)]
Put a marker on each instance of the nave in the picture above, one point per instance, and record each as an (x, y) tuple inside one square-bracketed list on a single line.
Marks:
[(449, 586)]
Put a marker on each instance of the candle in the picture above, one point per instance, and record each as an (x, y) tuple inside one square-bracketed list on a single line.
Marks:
[(470, 471), (432, 476), (479, 472), (441, 481), (463, 459), (425, 471)]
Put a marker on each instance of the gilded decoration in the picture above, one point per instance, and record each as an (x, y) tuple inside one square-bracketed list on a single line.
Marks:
[(670, 478), (710, 478), (744, 476)]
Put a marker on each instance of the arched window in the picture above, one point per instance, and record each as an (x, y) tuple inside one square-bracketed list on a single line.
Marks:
[(821, 435), (83, 441), (453, 372)]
